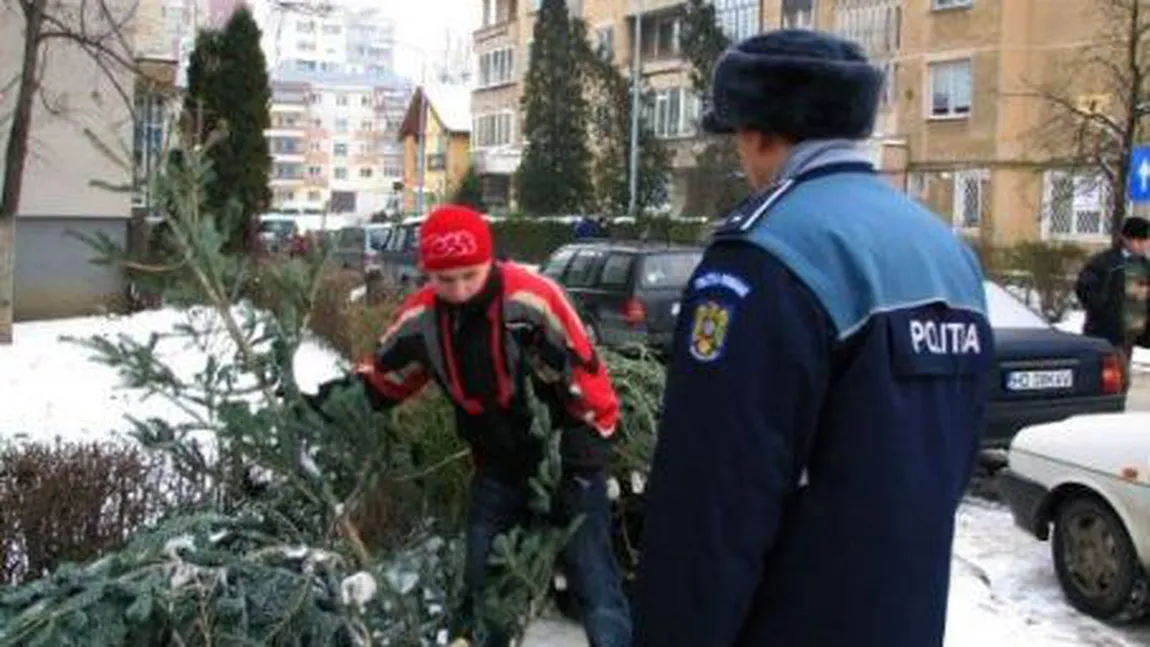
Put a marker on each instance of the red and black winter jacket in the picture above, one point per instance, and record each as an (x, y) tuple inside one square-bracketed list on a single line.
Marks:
[(481, 353)]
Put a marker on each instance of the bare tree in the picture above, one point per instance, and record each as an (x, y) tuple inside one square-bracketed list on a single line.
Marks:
[(101, 29), (1097, 107)]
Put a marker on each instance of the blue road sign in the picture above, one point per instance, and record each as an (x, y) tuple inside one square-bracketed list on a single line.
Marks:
[(1139, 189)]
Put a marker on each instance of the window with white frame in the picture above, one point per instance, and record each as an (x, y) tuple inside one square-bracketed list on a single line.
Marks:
[(889, 95), (659, 37), (739, 19), (492, 130), (971, 190), (950, 4), (1075, 205), (672, 113), (798, 14), (875, 24), (496, 67), (339, 149), (340, 173), (950, 88)]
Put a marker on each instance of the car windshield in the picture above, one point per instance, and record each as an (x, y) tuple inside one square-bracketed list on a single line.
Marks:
[(1008, 312), (669, 270), (278, 227)]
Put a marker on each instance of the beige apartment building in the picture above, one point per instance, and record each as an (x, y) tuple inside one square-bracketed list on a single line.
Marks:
[(960, 127)]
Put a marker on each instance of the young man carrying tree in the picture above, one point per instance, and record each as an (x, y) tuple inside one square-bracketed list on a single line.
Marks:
[(481, 328)]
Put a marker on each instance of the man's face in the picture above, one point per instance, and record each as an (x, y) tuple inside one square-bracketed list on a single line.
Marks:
[(1138, 246), (760, 156), (461, 284)]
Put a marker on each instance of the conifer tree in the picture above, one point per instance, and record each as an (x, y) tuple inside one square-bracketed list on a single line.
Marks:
[(714, 185), (470, 190), (228, 99), (554, 176)]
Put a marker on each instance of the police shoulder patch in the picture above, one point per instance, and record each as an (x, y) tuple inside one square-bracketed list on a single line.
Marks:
[(709, 329)]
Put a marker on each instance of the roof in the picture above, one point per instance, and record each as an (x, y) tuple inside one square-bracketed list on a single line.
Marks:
[(450, 103)]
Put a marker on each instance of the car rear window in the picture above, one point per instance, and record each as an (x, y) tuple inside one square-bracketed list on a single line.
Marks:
[(616, 271), (1006, 311), (669, 270), (554, 267), (581, 271)]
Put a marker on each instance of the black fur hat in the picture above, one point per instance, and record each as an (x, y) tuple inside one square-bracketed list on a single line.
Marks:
[(1136, 228), (797, 83)]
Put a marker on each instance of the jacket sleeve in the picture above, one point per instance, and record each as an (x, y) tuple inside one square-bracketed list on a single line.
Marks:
[(749, 373), (1091, 287), (397, 370), (561, 352)]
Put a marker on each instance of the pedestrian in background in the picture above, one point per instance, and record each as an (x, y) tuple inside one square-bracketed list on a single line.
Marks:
[(826, 390), (1114, 289)]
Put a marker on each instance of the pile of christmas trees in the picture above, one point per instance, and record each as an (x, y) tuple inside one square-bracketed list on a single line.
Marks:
[(283, 543)]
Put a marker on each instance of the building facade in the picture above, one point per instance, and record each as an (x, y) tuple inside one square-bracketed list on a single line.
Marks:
[(334, 142), (436, 136)]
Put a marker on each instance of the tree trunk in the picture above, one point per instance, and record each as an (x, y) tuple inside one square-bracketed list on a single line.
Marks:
[(15, 156)]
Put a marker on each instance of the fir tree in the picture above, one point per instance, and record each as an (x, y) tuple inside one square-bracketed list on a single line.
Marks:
[(554, 176), (228, 98), (470, 191), (715, 184), (609, 92)]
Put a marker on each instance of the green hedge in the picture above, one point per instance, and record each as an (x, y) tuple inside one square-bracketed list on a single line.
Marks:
[(532, 241)]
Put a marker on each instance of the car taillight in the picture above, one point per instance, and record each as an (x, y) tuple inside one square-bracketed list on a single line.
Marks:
[(1112, 375), (634, 312)]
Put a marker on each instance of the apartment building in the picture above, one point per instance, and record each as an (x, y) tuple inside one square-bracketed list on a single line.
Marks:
[(960, 128), (502, 46), (328, 37), (334, 142)]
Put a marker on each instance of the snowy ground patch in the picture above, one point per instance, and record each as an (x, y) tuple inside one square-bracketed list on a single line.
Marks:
[(49, 388)]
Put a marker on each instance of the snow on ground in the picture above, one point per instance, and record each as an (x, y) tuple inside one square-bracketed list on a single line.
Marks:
[(49, 388), (1003, 591)]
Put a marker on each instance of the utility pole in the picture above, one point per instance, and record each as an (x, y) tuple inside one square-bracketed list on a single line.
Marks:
[(636, 89), (421, 139)]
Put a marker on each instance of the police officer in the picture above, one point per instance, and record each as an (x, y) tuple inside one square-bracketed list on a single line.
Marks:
[(827, 383)]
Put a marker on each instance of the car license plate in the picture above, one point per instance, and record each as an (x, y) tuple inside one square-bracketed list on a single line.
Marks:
[(1040, 380)]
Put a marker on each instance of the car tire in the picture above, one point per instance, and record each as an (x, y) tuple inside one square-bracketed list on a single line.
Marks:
[(1095, 561)]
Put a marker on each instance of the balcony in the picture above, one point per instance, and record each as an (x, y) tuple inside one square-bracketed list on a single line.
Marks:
[(293, 157), (289, 132), (501, 34)]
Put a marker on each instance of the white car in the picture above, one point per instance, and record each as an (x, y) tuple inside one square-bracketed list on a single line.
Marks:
[(1084, 483)]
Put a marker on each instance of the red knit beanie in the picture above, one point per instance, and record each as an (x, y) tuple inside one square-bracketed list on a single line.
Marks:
[(454, 236)]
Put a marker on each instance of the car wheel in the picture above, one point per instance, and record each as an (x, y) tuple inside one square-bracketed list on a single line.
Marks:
[(1095, 561)]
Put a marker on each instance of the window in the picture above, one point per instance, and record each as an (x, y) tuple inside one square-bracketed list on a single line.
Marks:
[(739, 19), (659, 38), (950, 88), (316, 147), (875, 24), (581, 272), (889, 84), (1075, 205), (669, 270), (304, 65), (314, 171), (341, 125), (305, 26), (492, 130), (970, 192), (392, 167), (340, 173), (367, 125), (950, 4), (365, 101), (616, 271), (314, 196), (496, 67), (339, 149), (317, 123), (798, 14), (341, 100), (554, 267), (305, 46), (672, 113), (331, 30), (366, 148), (365, 172), (605, 42)]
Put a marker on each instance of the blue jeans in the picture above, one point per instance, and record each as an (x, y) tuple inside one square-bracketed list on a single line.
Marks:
[(589, 560)]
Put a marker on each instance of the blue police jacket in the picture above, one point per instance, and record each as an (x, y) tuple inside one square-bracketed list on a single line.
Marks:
[(822, 417)]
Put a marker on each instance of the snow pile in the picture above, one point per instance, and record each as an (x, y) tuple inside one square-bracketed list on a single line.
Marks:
[(51, 389), (1073, 323)]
